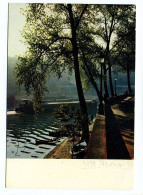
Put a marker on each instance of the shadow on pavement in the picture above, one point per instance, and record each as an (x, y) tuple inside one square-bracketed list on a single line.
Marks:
[(116, 148), (128, 107)]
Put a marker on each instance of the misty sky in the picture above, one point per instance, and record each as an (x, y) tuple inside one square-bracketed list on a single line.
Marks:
[(16, 23)]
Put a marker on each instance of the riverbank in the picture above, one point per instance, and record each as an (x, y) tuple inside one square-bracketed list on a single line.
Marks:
[(62, 151), (111, 136)]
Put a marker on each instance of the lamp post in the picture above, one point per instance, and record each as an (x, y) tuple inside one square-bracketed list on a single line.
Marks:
[(115, 85), (101, 110)]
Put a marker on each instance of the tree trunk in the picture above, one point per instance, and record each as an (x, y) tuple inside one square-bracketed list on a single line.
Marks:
[(105, 82), (89, 75), (85, 134), (110, 81), (128, 79), (100, 97), (83, 108)]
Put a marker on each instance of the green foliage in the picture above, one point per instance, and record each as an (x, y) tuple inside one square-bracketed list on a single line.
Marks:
[(64, 112), (30, 73), (124, 46), (11, 88), (47, 33), (72, 118), (101, 30)]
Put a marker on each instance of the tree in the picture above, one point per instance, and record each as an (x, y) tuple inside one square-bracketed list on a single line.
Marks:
[(74, 22), (106, 24), (72, 117), (88, 55), (51, 35), (125, 49), (31, 74), (69, 37)]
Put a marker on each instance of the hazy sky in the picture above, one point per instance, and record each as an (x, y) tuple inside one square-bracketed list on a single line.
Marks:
[(16, 23)]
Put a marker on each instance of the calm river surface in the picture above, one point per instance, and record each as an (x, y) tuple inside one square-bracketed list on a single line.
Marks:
[(23, 131)]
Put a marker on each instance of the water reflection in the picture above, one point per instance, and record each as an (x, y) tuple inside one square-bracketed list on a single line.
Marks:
[(23, 131)]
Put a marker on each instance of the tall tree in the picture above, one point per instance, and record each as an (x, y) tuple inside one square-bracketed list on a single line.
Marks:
[(107, 23), (125, 49), (89, 53), (51, 35), (74, 22)]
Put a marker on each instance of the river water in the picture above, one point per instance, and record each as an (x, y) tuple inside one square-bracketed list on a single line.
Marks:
[(23, 131)]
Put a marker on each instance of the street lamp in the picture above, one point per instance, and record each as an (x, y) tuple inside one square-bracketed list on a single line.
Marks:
[(115, 85), (101, 110)]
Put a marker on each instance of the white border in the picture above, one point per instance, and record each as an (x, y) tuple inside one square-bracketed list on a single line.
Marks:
[(138, 105), (76, 1)]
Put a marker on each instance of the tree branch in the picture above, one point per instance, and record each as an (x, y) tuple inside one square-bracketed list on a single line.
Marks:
[(84, 9), (106, 28), (45, 47), (89, 74), (119, 40), (111, 27), (64, 6)]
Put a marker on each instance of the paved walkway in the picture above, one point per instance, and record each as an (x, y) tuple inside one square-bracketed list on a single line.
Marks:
[(113, 134), (124, 114), (97, 142), (116, 148)]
